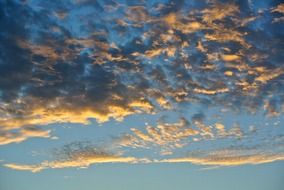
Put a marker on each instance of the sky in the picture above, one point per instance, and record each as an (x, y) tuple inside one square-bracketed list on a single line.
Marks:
[(137, 94)]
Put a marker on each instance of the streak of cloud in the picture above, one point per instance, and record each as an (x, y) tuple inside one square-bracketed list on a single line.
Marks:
[(230, 157), (76, 155)]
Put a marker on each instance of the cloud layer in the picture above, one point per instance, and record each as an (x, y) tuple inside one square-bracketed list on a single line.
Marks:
[(60, 65)]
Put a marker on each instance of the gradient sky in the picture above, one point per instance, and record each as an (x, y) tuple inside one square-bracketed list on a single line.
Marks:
[(137, 94)]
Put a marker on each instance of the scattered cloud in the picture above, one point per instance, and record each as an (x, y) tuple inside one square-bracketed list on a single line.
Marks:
[(60, 65), (98, 76), (167, 136)]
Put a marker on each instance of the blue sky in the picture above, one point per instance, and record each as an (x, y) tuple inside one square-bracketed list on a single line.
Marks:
[(141, 94)]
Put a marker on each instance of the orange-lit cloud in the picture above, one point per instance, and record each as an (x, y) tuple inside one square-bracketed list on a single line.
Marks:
[(138, 60), (8, 137), (230, 157), (168, 137), (229, 160), (211, 91), (279, 8), (77, 156), (77, 163), (219, 11), (165, 135)]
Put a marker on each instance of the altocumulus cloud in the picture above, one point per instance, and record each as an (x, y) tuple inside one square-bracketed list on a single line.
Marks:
[(137, 58)]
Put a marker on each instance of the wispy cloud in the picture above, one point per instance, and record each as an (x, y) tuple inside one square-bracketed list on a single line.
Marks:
[(76, 155), (7, 137), (231, 157), (279, 9), (168, 137), (81, 155)]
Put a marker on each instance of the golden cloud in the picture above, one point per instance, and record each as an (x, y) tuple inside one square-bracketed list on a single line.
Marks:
[(77, 155), (211, 91), (230, 157), (165, 135), (219, 11), (82, 162), (279, 8), (7, 137), (228, 160)]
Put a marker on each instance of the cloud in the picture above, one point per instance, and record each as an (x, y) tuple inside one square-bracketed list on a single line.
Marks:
[(219, 11), (134, 60), (7, 137), (167, 136), (230, 57), (83, 155), (60, 65), (230, 157), (235, 131), (267, 75), (229, 160), (56, 112), (83, 162), (76, 155), (279, 8), (211, 92)]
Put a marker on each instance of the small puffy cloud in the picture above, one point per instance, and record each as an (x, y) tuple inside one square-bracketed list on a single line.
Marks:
[(169, 137), (230, 57), (166, 136), (235, 131)]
